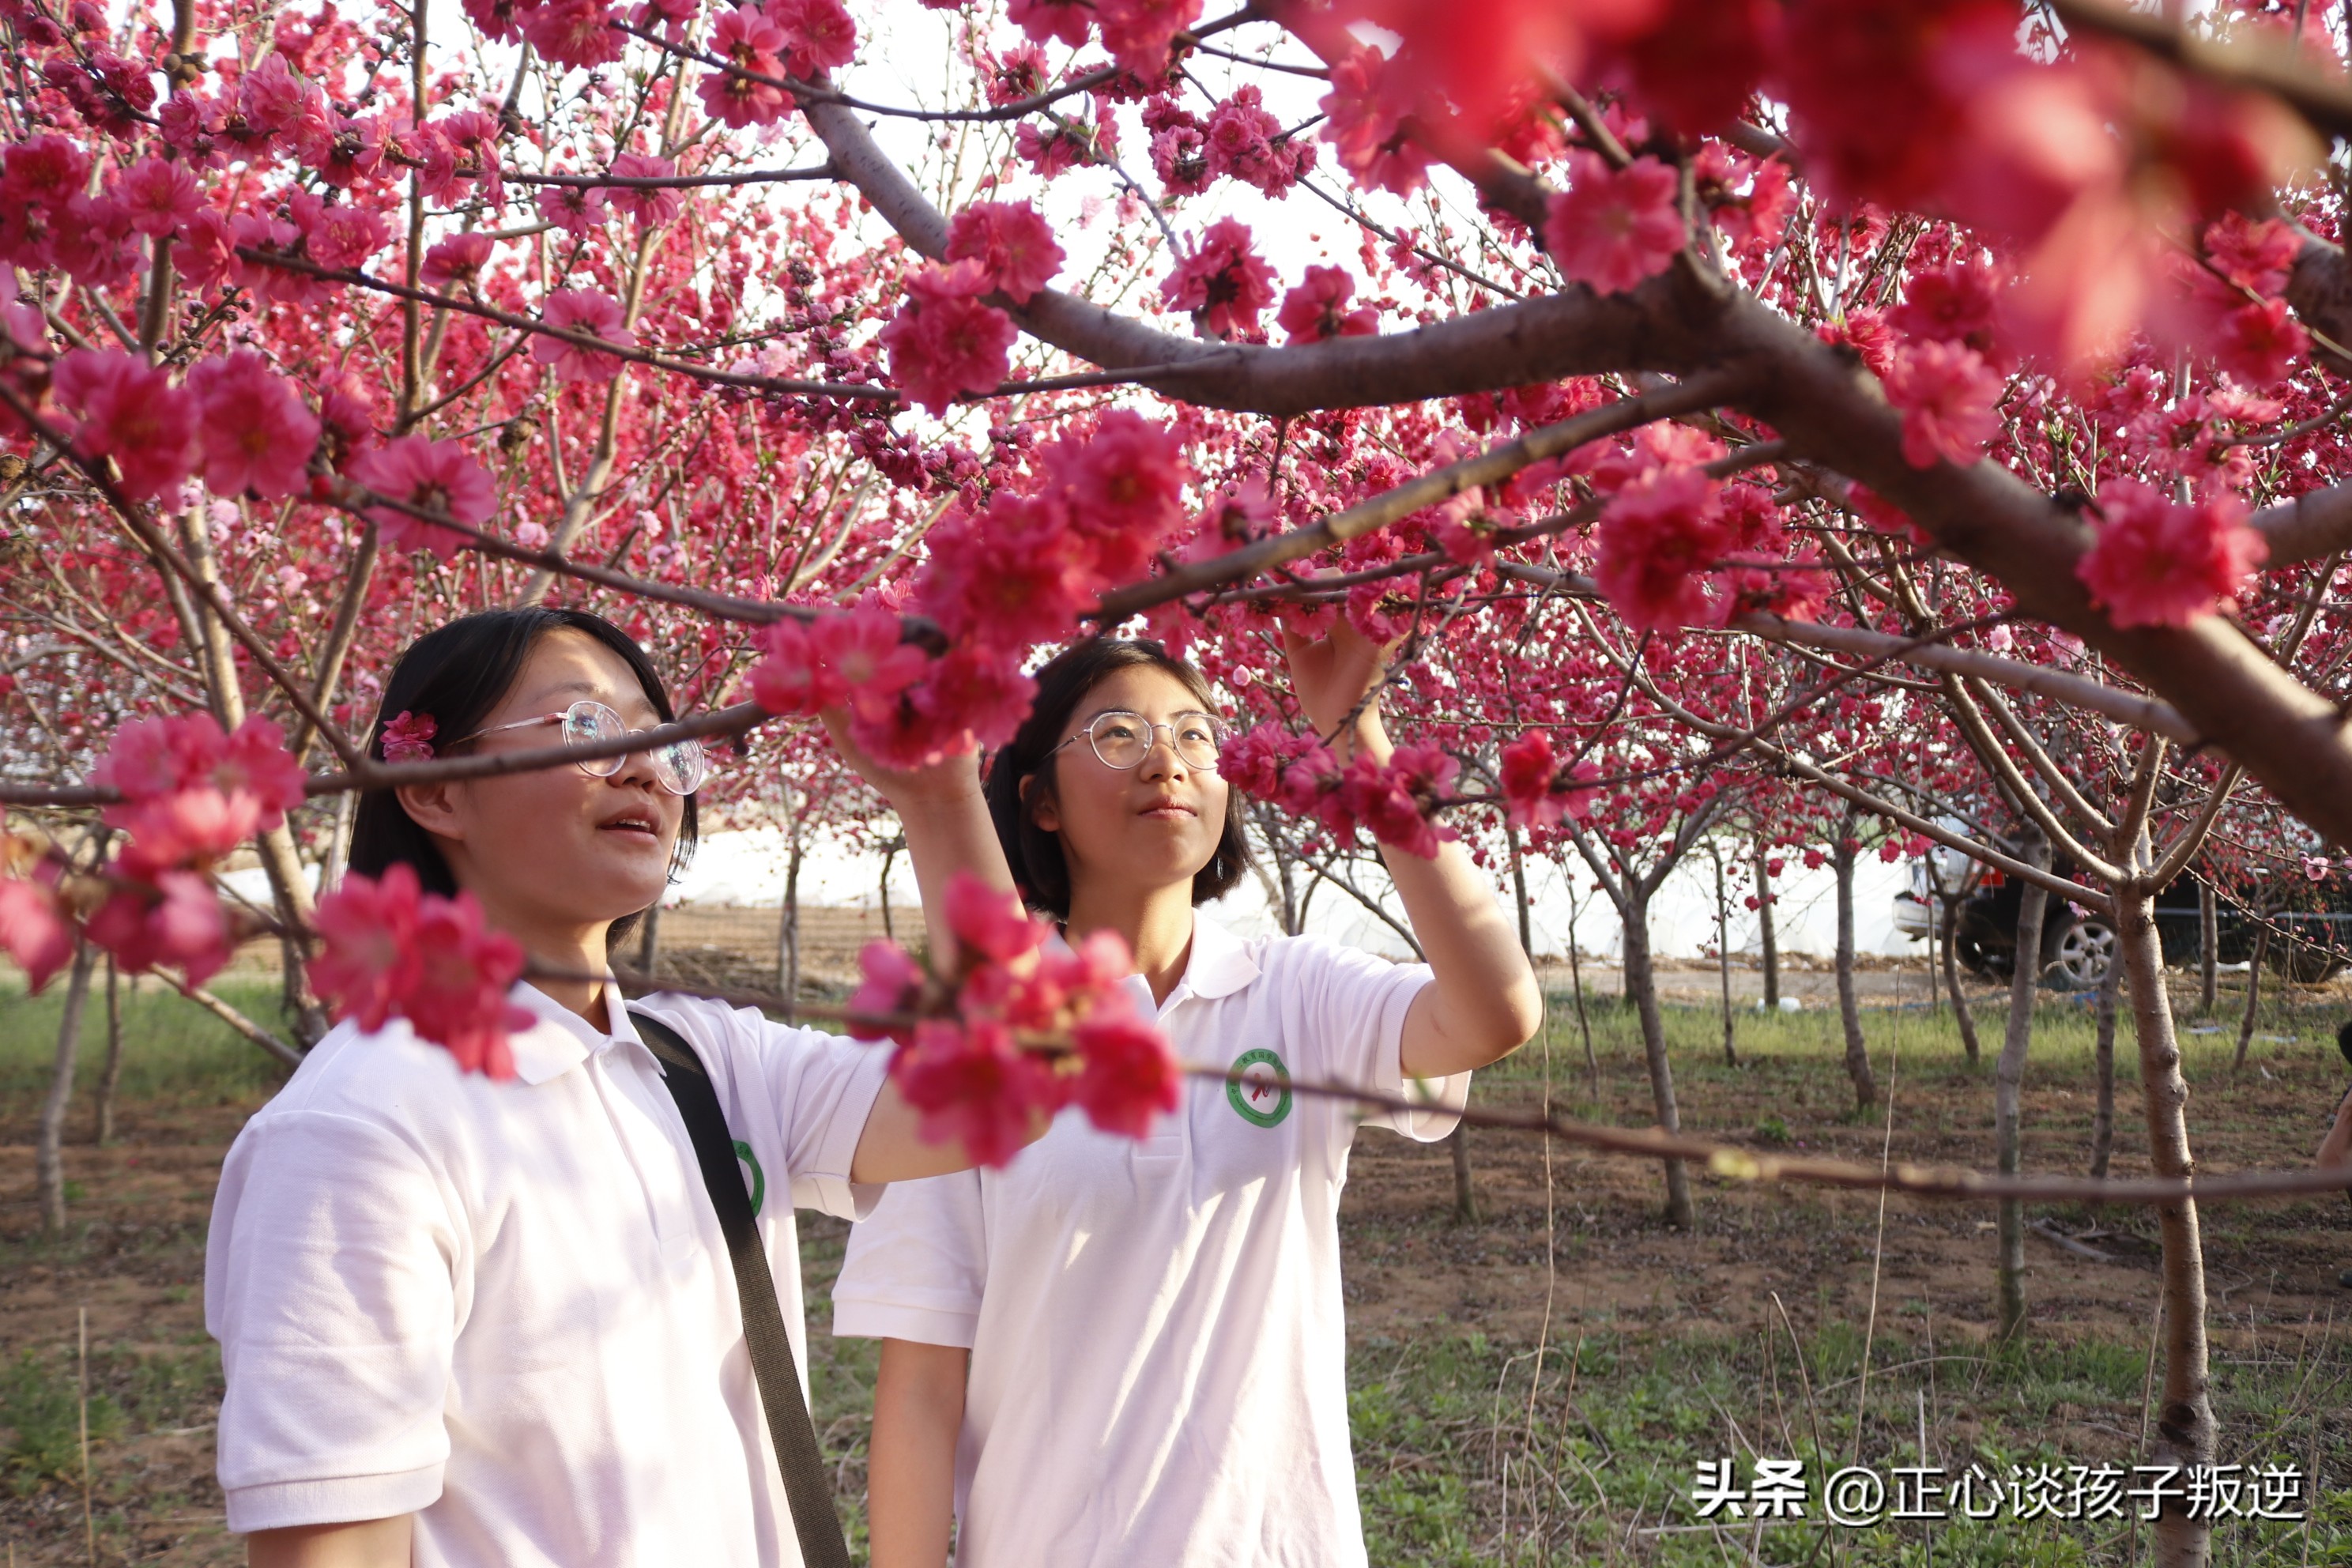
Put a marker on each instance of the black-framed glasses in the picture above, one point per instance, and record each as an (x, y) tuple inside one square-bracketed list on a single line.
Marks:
[(1122, 739), (679, 767)]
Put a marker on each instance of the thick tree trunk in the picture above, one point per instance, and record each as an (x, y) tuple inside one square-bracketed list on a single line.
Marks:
[(1857, 1050), (1765, 935), (2209, 945), (1723, 958), (2103, 1118), (2185, 1433), (889, 858), (112, 1075), (2009, 1080), (49, 1148), (2254, 993), (1576, 984), (1948, 938), (1642, 985)]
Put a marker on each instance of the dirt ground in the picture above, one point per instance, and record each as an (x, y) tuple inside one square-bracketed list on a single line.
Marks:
[(1568, 1244)]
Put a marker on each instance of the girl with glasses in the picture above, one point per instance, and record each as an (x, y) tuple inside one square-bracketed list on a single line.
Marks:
[(1131, 1355), (475, 1322)]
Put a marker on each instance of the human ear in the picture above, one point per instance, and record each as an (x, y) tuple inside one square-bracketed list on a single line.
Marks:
[(433, 807), (1042, 814)]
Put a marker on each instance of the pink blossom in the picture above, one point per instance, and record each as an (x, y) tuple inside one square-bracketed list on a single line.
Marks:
[(270, 97), (1129, 1075), (408, 737), (648, 205), (753, 45), (345, 235), (2256, 256), (1532, 784), (1139, 33), (1012, 242), (158, 197), (892, 983), (1954, 304), (1393, 801), (795, 677), (975, 1085), (587, 311), (34, 929), (578, 210), (976, 695), (1242, 142), (1222, 280), (432, 476), (175, 917), (193, 793), (988, 923), (2260, 342), (1318, 309), (1615, 227), (1010, 575), (203, 255), (818, 34), (129, 412), (1124, 487), (2157, 563), (256, 432), (1656, 540), (1367, 125), (944, 342), (1949, 399), (576, 33), (456, 259), (388, 948), (863, 648), (1067, 20)]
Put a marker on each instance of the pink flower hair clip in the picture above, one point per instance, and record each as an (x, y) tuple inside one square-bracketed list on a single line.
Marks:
[(409, 738)]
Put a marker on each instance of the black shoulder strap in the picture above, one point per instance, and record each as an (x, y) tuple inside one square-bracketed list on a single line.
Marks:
[(763, 1319)]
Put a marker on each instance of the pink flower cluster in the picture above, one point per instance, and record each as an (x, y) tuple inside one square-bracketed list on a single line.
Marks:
[(191, 792), (1394, 801), (388, 948), (432, 476), (589, 311), (853, 659), (969, 1058), (1537, 792), (1222, 281), (243, 425), (1318, 309), (36, 928), (1613, 228), (2158, 563), (946, 340)]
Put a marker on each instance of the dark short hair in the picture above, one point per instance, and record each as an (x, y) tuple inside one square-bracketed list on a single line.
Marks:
[(1038, 865), (459, 674)]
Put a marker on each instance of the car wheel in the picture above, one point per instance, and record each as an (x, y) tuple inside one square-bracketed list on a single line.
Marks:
[(1984, 963), (2084, 951)]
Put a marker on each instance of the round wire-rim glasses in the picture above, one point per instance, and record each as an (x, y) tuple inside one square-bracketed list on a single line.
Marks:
[(1122, 739), (679, 766)]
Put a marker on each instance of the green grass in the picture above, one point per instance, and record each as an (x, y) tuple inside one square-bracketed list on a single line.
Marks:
[(175, 1054)]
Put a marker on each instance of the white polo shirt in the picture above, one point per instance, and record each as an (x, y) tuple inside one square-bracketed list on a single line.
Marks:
[(507, 1308), (1159, 1371)]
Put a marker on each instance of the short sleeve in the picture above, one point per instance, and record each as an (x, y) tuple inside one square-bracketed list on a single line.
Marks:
[(803, 1093), (329, 1282), (916, 1267), (1352, 1007)]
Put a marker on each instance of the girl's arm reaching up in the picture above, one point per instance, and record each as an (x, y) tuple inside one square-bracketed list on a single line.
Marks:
[(1485, 1003)]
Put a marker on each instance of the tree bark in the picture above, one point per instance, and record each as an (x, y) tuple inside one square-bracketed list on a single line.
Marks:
[(2209, 945), (2254, 993), (1765, 934), (788, 957), (2103, 1118), (49, 1150), (649, 942), (1641, 986), (112, 1075), (1465, 1192), (1857, 1050), (1723, 955), (2009, 1080), (2185, 1433), (1576, 984), (1948, 939)]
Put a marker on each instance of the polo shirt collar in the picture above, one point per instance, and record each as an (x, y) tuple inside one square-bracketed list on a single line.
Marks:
[(561, 1039), (1219, 965)]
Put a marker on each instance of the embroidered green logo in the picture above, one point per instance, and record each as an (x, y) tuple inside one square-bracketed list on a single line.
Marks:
[(1260, 1089), (758, 1177)]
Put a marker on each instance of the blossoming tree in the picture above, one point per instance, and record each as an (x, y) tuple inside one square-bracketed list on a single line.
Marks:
[(1693, 328)]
